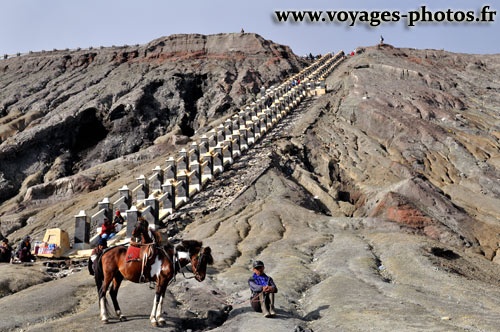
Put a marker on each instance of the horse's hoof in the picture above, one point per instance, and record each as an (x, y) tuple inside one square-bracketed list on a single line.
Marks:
[(105, 321), (123, 319), (155, 324), (162, 323)]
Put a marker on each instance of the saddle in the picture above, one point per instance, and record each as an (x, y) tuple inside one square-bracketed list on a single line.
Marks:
[(146, 254), (133, 254)]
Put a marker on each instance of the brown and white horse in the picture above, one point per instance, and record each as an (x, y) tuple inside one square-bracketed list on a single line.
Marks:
[(158, 263)]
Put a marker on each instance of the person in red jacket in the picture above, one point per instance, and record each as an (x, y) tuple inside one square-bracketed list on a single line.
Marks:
[(107, 229)]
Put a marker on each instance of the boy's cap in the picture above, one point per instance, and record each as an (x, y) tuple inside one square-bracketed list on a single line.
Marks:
[(257, 264)]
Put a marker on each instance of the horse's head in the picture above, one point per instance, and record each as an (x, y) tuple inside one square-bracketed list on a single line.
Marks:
[(141, 229), (200, 257), (200, 261)]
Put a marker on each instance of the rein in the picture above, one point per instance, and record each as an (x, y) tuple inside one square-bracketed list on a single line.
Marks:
[(227, 298), (174, 260), (201, 255), (146, 254), (145, 258), (180, 267)]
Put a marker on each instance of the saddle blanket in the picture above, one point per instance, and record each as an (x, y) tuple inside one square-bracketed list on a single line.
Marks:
[(133, 254)]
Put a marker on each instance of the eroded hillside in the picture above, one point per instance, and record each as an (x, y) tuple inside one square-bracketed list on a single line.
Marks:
[(64, 111), (374, 207), (68, 117), (411, 136)]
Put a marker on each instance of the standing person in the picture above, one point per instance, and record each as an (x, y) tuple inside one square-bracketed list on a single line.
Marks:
[(263, 289), (381, 40), (118, 221), (107, 229), (24, 250), (96, 253), (5, 251)]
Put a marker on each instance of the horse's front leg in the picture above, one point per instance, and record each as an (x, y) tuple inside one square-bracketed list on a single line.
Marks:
[(162, 287), (103, 303), (159, 313), (156, 301)]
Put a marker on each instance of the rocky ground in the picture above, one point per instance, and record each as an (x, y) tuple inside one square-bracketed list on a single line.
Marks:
[(374, 208)]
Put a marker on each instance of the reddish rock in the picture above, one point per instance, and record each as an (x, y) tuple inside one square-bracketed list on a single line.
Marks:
[(396, 208)]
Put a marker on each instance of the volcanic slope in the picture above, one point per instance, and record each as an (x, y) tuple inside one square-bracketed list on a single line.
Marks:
[(413, 136), (350, 217), (380, 212), (71, 110), (71, 121)]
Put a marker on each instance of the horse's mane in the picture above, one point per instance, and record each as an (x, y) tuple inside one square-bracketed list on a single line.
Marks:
[(189, 246), (208, 253), (157, 236)]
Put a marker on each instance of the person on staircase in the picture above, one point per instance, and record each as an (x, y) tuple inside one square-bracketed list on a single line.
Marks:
[(118, 221), (108, 229)]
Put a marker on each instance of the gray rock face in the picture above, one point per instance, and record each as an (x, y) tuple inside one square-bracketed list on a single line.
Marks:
[(411, 136), (61, 112)]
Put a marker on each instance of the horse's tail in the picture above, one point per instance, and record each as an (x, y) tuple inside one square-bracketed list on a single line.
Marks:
[(99, 274)]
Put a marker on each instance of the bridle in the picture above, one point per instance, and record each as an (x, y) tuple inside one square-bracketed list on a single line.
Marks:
[(201, 254), (143, 224), (176, 260)]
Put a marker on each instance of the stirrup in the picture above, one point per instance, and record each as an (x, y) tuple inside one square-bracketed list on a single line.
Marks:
[(142, 278)]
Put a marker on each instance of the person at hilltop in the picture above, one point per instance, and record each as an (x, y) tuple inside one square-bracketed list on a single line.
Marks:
[(118, 221), (24, 250), (263, 289), (5, 251), (95, 254), (108, 229)]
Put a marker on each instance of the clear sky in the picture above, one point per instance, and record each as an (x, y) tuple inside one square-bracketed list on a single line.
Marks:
[(47, 24)]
